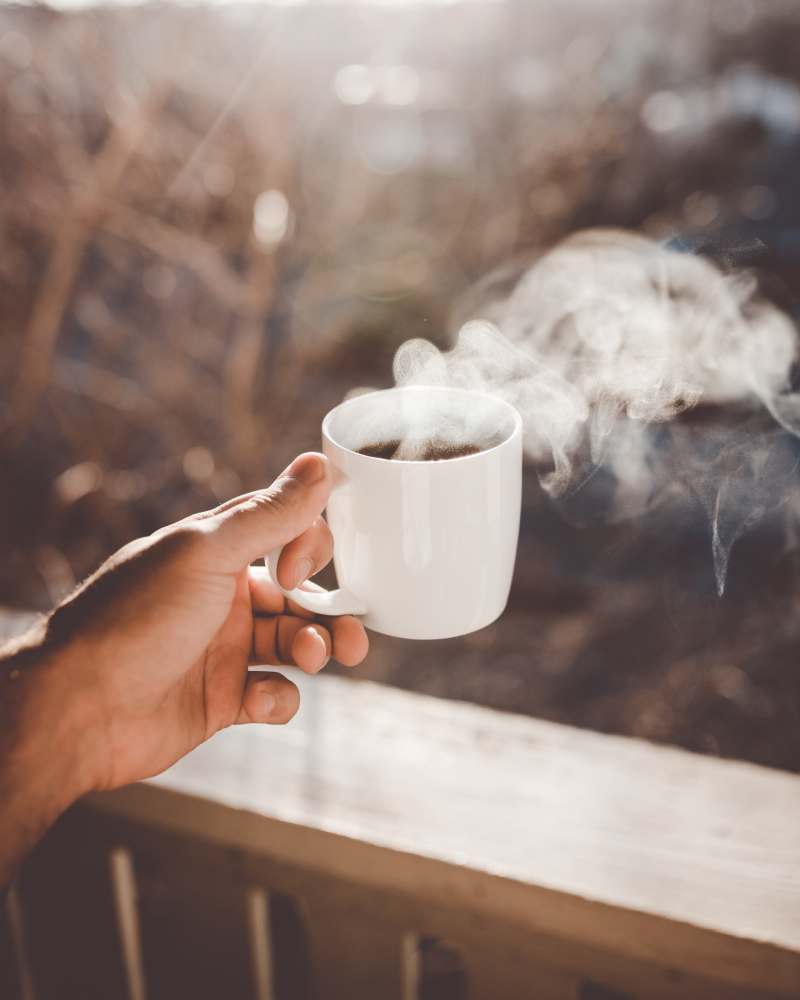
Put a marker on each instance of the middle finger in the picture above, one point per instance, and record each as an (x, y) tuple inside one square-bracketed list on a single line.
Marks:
[(286, 639)]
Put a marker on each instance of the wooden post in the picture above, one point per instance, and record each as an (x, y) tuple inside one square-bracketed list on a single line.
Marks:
[(193, 912), (15, 979), (71, 938), (355, 954)]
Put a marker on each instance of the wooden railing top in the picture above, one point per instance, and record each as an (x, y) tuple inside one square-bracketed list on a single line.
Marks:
[(648, 851)]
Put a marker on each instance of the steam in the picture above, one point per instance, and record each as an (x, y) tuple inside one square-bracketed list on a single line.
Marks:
[(602, 344)]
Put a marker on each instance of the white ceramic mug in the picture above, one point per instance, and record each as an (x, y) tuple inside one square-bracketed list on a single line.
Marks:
[(422, 549)]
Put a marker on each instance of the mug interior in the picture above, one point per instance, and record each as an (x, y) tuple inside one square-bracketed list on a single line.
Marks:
[(413, 414)]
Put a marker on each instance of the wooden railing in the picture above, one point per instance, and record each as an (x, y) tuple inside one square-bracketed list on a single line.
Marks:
[(390, 846)]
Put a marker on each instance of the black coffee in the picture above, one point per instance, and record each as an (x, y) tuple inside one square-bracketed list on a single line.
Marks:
[(428, 451)]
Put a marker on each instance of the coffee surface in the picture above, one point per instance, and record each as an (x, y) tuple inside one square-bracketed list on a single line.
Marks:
[(428, 451)]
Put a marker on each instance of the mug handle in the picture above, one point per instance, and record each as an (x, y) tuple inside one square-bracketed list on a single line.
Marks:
[(318, 602)]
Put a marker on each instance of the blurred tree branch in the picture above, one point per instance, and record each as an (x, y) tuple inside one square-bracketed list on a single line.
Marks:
[(65, 257), (173, 244)]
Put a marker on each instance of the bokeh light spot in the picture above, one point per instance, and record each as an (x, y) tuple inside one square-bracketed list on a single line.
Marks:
[(353, 84), (663, 112), (271, 217), (198, 464)]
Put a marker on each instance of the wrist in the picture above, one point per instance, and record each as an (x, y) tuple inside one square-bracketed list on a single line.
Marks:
[(45, 744)]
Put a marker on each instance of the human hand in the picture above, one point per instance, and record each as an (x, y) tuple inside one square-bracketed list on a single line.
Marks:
[(150, 657)]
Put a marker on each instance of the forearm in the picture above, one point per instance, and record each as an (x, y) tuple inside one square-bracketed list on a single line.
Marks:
[(41, 770)]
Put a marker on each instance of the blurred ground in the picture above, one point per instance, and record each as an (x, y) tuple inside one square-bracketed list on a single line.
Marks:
[(216, 221)]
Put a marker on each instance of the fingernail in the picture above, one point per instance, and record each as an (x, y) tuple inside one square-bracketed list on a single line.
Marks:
[(324, 645), (268, 703), (308, 469), (302, 571)]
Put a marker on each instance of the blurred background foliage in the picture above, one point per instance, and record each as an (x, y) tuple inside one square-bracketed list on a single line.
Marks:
[(217, 220)]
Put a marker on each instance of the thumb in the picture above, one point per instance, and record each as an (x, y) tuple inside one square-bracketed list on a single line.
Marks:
[(253, 525)]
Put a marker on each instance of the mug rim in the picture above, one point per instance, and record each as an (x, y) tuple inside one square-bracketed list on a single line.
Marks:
[(516, 430)]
